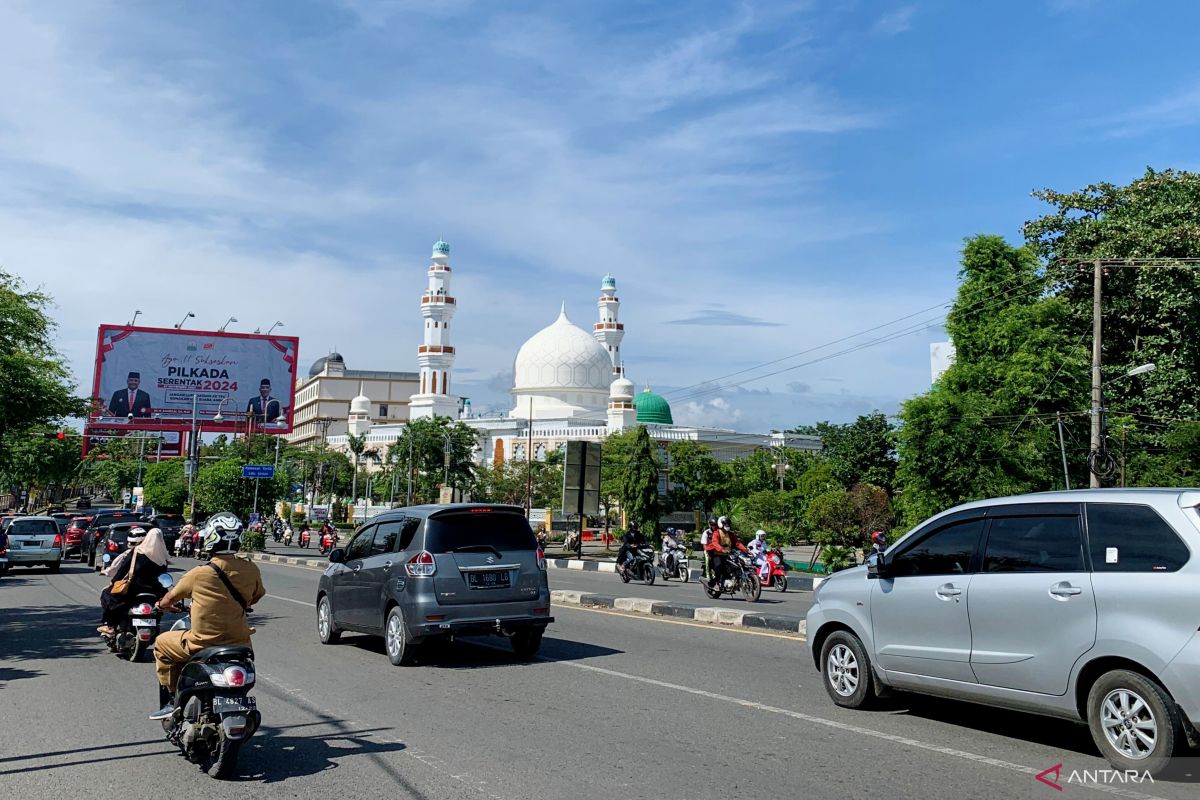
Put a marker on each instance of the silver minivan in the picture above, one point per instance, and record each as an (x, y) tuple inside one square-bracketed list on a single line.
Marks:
[(34, 541), (1083, 605)]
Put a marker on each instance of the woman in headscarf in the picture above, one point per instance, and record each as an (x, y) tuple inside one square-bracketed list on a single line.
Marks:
[(141, 564)]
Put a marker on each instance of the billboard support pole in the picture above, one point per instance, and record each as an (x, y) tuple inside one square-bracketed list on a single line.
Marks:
[(193, 453)]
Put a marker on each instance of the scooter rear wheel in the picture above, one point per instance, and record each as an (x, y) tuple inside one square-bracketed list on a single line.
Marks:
[(781, 583), (226, 757)]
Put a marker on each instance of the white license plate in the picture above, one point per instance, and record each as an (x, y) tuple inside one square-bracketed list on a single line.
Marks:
[(144, 623)]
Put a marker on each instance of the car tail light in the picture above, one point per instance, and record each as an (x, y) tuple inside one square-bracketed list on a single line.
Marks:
[(144, 608), (112, 547), (541, 560), (421, 565), (541, 611), (58, 540), (234, 676)]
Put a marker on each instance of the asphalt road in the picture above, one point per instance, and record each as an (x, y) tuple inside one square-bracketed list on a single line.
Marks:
[(792, 603), (616, 707)]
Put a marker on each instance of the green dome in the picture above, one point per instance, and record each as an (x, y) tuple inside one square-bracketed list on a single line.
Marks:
[(652, 408)]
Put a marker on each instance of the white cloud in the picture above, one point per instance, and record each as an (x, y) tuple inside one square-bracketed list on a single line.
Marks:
[(895, 22)]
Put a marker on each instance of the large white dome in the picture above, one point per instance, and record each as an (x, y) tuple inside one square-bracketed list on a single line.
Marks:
[(564, 370)]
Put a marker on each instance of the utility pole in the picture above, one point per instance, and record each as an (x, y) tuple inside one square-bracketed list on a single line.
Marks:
[(529, 469), (1062, 447), (410, 464), (1097, 277), (1122, 456)]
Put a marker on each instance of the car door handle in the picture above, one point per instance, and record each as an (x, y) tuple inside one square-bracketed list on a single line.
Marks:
[(356, 566), (387, 566), (1065, 590), (948, 590)]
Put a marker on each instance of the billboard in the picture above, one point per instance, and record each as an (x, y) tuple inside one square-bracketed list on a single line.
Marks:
[(156, 378)]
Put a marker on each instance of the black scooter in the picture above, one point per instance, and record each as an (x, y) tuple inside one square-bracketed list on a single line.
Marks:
[(135, 635), (640, 567), (214, 712)]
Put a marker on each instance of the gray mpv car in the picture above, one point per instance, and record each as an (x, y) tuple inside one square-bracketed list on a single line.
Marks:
[(438, 571), (1083, 605)]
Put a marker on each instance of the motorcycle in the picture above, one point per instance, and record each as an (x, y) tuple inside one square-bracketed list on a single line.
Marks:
[(641, 567), (741, 577), (305, 536), (328, 542), (136, 633), (773, 572), (214, 712), (674, 564), (287, 538)]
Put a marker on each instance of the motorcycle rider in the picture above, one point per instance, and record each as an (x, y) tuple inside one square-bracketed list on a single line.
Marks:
[(671, 540), (722, 542), (630, 542), (705, 538), (287, 535), (142, 563), (183, 543), (758, 550), (218, 613), (878, 542)]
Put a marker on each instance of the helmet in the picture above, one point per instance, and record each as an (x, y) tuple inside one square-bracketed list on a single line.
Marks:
[(723, 524), (671, 530), (136, 535), (878, 538), (633, 526), (760, 534), (712, 522), (222, 534)]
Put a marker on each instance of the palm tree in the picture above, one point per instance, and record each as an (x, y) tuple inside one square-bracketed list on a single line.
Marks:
[(356, 444)]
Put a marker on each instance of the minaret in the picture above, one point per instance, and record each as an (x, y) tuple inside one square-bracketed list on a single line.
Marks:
[(622, 413), (359, 422), (436, 355), (608, 331)]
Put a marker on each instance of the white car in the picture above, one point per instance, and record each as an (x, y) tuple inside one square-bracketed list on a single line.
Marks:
[(34, 541)]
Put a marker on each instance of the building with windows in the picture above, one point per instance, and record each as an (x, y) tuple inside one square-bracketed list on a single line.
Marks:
[(323, 398)]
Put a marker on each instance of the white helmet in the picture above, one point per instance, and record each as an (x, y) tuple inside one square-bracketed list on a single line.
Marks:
[(136, 535), (760, 534), (222, 534), (723, 523)]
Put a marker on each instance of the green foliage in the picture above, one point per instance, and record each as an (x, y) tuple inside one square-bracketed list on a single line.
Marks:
[(697, 480), (426, 440), (969, 437), (220, 487), (639, 482), (165, 486), (862, 451), (253, 540), (832, 518), (615, 455), (508, 483)]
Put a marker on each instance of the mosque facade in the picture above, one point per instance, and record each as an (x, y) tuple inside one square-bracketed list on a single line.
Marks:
[(569, 384)]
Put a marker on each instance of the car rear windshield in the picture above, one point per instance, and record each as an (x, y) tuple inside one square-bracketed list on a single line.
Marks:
[(501, 530), (33, 527), (120, 535)]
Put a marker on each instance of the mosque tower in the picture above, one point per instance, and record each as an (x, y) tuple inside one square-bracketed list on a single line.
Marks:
[(359, 422), (608, 331), (436, 355), (622, 413)]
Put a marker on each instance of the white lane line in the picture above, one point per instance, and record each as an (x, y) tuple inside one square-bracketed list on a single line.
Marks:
[(290, 600), (842, 726)]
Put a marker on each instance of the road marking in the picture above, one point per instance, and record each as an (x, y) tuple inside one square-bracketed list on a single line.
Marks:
[(290, 600), (705, 625), (829, 723)]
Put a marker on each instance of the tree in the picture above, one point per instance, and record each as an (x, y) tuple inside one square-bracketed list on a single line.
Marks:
[(639, 482), (427, 441), (220, 487), (38, 389), (39, 462), (165, 487), (507, 483), (1149, 314), (616, 451), (863, 451), (833, 518), (697, 480), (982, 430), (112, 465), (872, 510)]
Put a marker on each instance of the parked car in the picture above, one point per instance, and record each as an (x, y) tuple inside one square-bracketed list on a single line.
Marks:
[(101, 519), (34, 542), (437, 571), (1079, 605), (73, 537), (169, 524)]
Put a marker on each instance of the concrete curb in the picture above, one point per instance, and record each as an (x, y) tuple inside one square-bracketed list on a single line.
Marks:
[(805, 583), (716, 616), (309, 563)]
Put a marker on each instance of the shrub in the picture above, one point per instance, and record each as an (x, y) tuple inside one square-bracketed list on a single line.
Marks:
[(253, 540)]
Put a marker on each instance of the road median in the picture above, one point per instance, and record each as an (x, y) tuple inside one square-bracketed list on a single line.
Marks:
[(719, 616)]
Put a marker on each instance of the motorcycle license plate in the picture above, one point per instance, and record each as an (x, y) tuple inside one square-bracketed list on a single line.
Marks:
[(144, 623), (223, 705), (498, 579)]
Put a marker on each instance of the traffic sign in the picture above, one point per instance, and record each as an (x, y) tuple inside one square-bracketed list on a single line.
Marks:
[(258, 471)]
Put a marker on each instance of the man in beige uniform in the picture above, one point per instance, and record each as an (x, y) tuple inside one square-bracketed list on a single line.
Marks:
[(217, 617)]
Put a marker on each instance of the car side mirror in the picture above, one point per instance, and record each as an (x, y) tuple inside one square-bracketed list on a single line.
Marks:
[(337, 556), (878, 566)]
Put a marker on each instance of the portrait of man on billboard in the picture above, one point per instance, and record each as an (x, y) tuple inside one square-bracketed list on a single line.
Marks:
[(264, 408), (130, 400)]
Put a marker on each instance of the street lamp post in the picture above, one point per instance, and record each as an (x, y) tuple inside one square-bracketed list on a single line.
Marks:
[(226, 325), (186, 317), (1101, 464), (273, 327)]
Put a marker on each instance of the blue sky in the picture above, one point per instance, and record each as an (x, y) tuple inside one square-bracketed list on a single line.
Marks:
[(762, 178)]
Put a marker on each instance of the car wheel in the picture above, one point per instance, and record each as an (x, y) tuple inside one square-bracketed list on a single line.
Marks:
[(1134, 722), (847, 670), (400, 648), (325, 627), (526, 642)]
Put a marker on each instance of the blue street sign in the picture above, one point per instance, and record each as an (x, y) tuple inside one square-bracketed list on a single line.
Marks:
[(258, 471)]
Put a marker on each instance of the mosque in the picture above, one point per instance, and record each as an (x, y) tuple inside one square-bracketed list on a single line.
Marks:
[(568, 384)]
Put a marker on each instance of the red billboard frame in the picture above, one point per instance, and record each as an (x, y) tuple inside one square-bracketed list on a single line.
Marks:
[(235, 420)]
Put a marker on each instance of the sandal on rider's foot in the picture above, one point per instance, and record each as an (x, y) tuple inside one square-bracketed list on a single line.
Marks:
[(105, 630)]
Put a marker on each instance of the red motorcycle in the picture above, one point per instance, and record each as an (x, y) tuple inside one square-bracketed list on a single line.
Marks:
[(773, 572), (305, 536), (329, 541)]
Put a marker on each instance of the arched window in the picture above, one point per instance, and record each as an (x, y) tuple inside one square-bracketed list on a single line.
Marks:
[(539, 452), (519, 452)]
